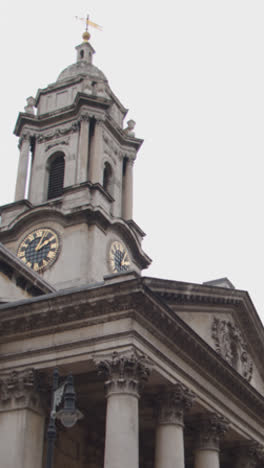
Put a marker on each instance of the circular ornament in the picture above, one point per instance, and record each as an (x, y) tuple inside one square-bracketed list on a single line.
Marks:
[(39, 249), (118, 257)]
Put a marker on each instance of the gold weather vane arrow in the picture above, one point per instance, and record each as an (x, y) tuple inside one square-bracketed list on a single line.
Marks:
[(88, 22), (86, 35)]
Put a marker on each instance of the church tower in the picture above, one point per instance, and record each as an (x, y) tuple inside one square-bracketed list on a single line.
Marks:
[(71, 220)]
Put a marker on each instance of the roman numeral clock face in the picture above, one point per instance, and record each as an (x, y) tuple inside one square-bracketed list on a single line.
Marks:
[(119, 258), (39, 249)]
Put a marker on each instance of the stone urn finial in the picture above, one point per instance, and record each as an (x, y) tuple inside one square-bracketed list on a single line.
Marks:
[(29, 108)]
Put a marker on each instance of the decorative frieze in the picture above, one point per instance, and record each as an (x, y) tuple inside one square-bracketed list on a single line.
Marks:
[(210, 429), (57, 143), (173, 402), (124, 372), (230, 345), (74, 127)]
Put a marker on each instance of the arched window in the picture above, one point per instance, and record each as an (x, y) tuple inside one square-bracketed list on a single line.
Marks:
[(107, 177), (56, 176)]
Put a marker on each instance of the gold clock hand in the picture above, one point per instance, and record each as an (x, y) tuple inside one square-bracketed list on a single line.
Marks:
[(124, 260), (38, 246), (47, 241)]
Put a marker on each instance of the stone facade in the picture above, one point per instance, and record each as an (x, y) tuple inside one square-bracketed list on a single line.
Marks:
[(167, 374)]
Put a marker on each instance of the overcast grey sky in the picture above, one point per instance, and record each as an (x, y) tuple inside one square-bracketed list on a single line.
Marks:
[(191, 72)]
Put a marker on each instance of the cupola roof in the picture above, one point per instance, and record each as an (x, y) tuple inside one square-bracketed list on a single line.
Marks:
[(83, 65)]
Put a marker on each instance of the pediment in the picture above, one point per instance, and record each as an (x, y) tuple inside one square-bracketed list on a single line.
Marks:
[(225, 318)]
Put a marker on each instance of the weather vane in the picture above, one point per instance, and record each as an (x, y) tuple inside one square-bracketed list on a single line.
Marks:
[(88, 22)]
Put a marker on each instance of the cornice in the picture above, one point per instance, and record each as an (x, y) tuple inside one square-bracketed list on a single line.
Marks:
[(134, 300), (85, 213), (23, 203), (97, 106)]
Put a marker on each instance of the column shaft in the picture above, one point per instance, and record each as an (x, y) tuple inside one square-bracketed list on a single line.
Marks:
[(169, 451), (211, 428), (121, 438), (22, 169), (21, 442), (82, 173), (124, 374), (22, 421), (206, 459)]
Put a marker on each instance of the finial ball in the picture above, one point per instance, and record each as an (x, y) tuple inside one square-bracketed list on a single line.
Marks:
[(86, 36)]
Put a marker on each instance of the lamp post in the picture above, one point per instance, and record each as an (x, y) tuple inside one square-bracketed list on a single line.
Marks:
[(68, 415)]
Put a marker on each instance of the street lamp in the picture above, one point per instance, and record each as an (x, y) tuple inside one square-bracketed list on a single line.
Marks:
[(68, 415)]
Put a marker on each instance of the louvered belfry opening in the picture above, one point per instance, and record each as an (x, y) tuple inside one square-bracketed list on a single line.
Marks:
[(107, 175), (56, 176)]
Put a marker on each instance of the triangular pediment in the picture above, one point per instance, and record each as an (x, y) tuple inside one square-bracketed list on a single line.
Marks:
[(225, 318)]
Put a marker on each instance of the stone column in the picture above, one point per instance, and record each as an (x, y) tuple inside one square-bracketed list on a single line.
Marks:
[(124, 373), (82, 173), (250, 455), (127, 201), (21, 420), (169, 450), (95, 165), (22, 167), (210, 429)]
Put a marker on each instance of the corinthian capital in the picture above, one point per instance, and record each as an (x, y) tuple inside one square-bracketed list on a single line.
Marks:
[(250, 454), (173, 402), (211, 428), (85, 116), (124, 372), (19, 388), (25, 137)]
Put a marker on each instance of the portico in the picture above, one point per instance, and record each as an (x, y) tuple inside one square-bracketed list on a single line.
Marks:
[(146, 401)]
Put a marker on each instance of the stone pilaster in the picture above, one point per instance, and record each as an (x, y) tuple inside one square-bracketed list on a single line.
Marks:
[(249, 455), (172, 403), (21, 420), (82, 172), (96, 156), (21, 181), (127, 202), (124, 373), (210, 429)]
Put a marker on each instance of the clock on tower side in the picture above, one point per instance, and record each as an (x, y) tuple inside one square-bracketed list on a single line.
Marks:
[(71, 220)]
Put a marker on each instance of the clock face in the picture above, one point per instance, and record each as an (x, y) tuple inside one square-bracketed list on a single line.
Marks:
[(39, 249), (119, 257)]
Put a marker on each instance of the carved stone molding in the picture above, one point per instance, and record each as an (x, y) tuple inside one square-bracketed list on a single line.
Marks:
[(19, 389), (249, 455), (57, 143), (210, 429), (74, 127), (124, 372), (84, 117), (25, 137), (230, 345), (173, 402)]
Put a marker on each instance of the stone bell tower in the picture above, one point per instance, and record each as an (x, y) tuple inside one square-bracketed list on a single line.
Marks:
[(71, 220)]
